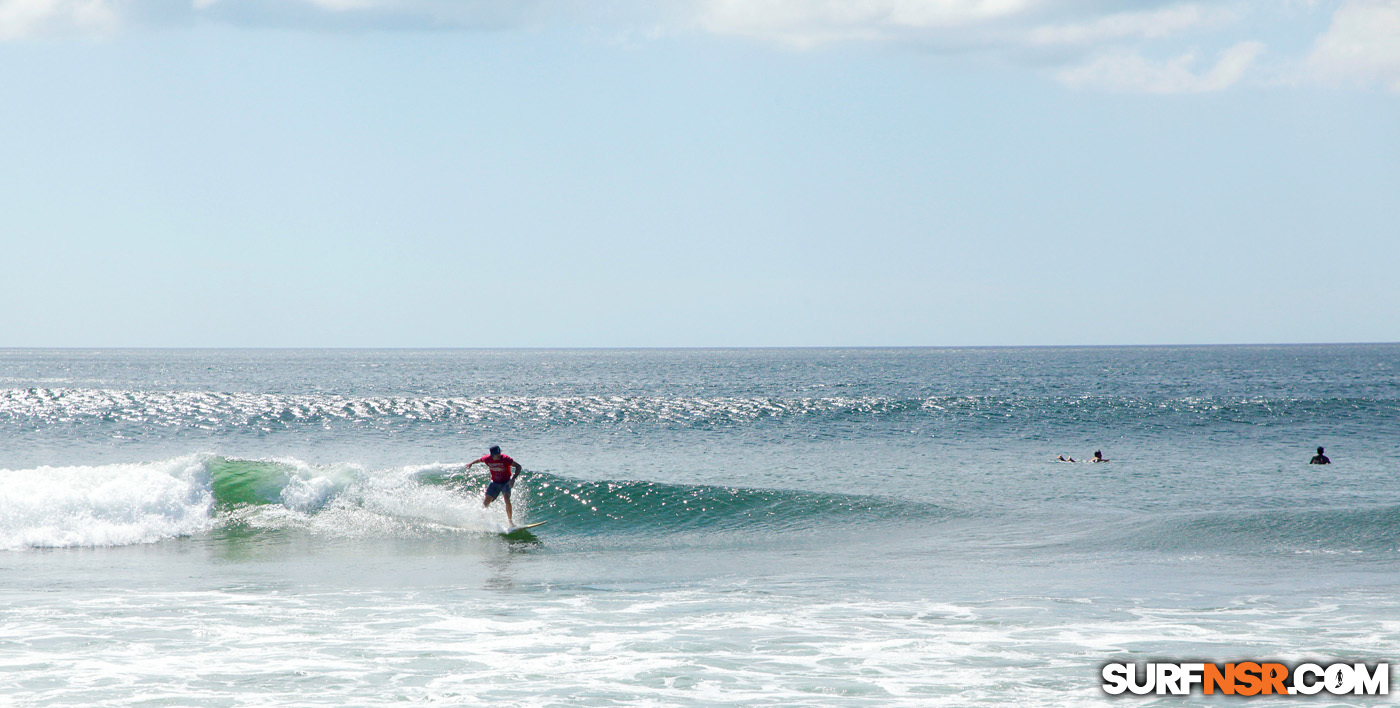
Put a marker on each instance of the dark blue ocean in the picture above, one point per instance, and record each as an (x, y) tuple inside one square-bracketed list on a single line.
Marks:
[(786, 527)]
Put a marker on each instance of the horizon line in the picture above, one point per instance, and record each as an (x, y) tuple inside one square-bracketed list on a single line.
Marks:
[(689, 348)]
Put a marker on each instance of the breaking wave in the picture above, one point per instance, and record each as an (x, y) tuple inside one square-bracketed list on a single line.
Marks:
[(112, 505)]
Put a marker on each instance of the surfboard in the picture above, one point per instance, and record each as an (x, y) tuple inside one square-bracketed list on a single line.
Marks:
[(517, 529)]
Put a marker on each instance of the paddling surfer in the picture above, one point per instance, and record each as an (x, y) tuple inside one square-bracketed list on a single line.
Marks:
[(504, 470)]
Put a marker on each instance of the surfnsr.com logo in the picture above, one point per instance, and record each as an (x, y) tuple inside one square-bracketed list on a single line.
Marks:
[(1246, 678)]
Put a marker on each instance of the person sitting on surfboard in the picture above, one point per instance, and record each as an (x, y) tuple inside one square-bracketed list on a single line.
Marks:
[(501, 478), (1319, 459)]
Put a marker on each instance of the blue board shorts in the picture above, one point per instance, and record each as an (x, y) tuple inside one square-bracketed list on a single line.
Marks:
[(495, 488)]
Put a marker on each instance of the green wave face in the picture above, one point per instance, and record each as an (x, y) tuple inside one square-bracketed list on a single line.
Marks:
[(621, 506), (243, 482)]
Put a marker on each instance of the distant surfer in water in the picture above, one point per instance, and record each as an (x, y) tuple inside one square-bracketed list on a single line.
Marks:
[(1098, 457), (1319, 459), (504, 470)]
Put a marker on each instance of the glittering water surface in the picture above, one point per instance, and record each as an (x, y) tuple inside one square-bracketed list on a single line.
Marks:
[(783, 528)]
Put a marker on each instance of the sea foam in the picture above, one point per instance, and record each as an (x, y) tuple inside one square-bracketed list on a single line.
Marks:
[(104, 505)]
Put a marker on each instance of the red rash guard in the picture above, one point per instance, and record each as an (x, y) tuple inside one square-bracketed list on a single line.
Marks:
[(500, 468)]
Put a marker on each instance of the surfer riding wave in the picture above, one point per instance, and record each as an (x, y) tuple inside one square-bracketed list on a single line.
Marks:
[(504, 472)]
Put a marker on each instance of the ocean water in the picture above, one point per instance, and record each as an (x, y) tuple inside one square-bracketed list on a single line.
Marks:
[(835, 527)]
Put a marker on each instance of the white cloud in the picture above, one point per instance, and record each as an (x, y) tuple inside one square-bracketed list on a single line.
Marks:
[(1129, 71), (23, 18), (1150, 24), (810, 22), (409, 15), (350, 5), (1361, 45)]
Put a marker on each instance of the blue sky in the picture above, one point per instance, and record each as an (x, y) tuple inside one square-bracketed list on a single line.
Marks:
[(418, 173)]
